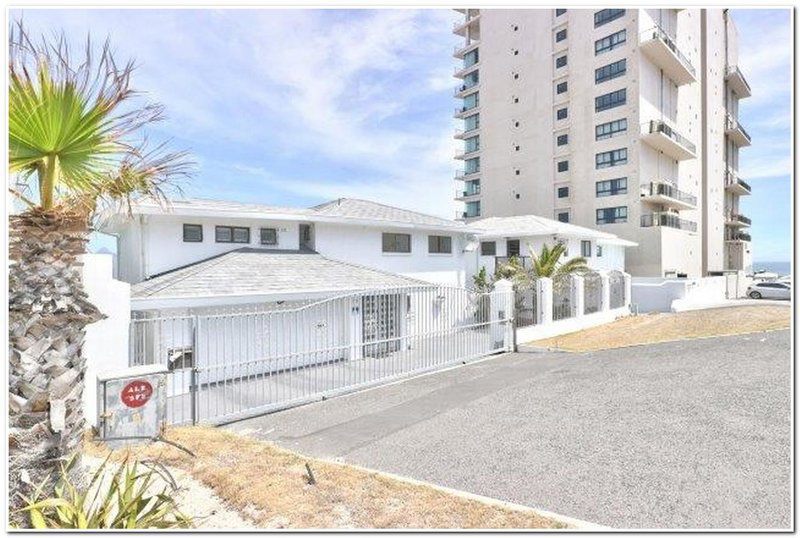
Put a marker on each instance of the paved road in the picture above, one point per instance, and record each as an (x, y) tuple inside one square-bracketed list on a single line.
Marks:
[(680, 434)]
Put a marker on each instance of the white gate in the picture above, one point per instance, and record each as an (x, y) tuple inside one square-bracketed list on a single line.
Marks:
[(229, 365)]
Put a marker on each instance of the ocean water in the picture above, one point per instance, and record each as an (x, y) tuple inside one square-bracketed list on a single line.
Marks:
[(782, 268)]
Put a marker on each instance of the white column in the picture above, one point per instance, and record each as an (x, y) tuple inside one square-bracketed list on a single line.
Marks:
[(577, 295), (502, 309), (605, 295), (627, 278), (544, 300)]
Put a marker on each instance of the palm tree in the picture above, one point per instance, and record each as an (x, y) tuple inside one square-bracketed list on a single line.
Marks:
[(74, 147), (548, 263)]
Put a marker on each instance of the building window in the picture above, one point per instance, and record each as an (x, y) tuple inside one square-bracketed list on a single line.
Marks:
[(611, 187), (561, 87), (563, 192), (397, 243), (607, 130), (269, 236), (471, 58), (610, 71), (560, 12), (604, 16), (586, 249), (561, 61), (192, 233), (472, 165), (470, 102), (472, 122), (516, 76), (611, 158), (440, 244), (563, 216), (471, 144), (561, 113), (562, 140), (488, 248), (561, 35), (610, 100), (610, 42), (514, 27), (232, 234), (599, 251), (563, 166), (611, 215), (179, 358)]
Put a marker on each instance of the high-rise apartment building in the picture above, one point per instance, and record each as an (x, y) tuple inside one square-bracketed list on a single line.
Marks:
[(617, 119)]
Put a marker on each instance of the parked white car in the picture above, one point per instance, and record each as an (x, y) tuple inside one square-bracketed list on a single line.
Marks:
[(769, 290)]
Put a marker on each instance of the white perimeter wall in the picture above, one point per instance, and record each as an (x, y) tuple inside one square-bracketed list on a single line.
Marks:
[(669, 295)]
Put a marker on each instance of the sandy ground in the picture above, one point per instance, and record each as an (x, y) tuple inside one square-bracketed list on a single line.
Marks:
[(270, 487), (665, 327)]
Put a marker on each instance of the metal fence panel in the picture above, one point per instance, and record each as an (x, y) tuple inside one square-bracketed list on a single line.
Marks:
[(526, 304), (562, 298), (592, 292), (616, 285), (229, 364)]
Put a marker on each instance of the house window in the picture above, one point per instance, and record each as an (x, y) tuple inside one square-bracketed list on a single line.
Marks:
[(179, 358), (610, 100), (512, 248), (604, 16), (560, 12), (562, 140), (561, 87), (192, 233), (563, 216), (599, 251), (269, 236), (610, 42), (561, 113), (397, 243), (232, 234), (561, 35), (607, 130), (611, 187), (563, 192), (488, 248), (610, 71), (611, 158), (611, 215), (586, 249), (561, 61), (563, 166), (440, 244)]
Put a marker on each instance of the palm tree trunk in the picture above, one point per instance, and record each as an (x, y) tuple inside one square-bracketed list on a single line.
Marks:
[(48, 311)]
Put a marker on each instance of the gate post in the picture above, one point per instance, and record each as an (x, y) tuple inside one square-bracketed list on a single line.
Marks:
[(503, 314), (544, 300), (577, 296), (193, 392), (605, 292), (628, 280)]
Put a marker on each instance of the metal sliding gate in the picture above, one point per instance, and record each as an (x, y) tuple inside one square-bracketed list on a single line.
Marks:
[(226, 365)]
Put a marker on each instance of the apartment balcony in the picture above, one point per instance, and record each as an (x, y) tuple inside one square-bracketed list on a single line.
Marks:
[(657, 45), (460, 50), (463, 71), (736, 185), (736, 132), (736, 220), (463, 90), (668, 220), (667, 195), (469, 192), (737, 236), (461, 155), (461, 134), (461, 175), (460, 27), (664, 138), (462, 112), (465, 215), (737, 82)]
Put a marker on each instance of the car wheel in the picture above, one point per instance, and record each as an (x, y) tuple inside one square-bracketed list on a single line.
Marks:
[(755, 295)]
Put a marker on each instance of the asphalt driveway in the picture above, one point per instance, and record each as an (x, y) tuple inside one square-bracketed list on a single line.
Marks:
[(681, 434)]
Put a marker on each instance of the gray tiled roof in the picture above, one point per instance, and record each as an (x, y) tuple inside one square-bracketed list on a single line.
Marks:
[(249, 271), (176, 205), (364, 209)]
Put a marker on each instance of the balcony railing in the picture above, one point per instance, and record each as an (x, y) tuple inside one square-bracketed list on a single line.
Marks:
[(662, 189), (470, 189), (669, 220), (461, 174), (467, 214), (663, 50), (658, 126), (735, 130), (738, 236), (737, 81), (524, 261), (736, 218), (736, 184), (461, 88), (462, 110), (460, 50)]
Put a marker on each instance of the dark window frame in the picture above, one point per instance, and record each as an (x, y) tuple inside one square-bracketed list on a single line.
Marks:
[(562, 166), (559, 115), (561, 35), (192, 226), (605, 16), (586, 248), (616, 157), (390, 245), (559, 215), (560, 11), (261, 236), (610, 71), (562, 139), (615, 127), (233, 230), (562, 87), (440, 244), (486, 251), (616, 186), (610, 100), (610, 42), (560, 63), (599, 253), (562, 192), (617, 216)]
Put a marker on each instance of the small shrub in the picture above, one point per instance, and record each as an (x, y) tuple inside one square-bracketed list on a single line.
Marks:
[(123, 502)]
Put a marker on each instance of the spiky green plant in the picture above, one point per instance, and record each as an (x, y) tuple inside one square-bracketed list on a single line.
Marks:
[(547, 263), (123, 499)]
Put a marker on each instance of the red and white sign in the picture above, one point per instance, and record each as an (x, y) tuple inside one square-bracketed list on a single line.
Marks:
[(136, 393)]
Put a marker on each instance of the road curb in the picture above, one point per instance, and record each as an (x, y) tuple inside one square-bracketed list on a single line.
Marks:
[(571, 522)]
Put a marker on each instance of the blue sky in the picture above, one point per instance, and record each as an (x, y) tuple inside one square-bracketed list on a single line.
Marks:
[(296, 107)]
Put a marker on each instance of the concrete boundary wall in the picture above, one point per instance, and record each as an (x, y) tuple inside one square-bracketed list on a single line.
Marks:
[(675, 294)]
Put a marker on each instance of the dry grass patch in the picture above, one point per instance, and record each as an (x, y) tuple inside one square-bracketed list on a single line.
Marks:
[(665, 327), (270, 486)]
